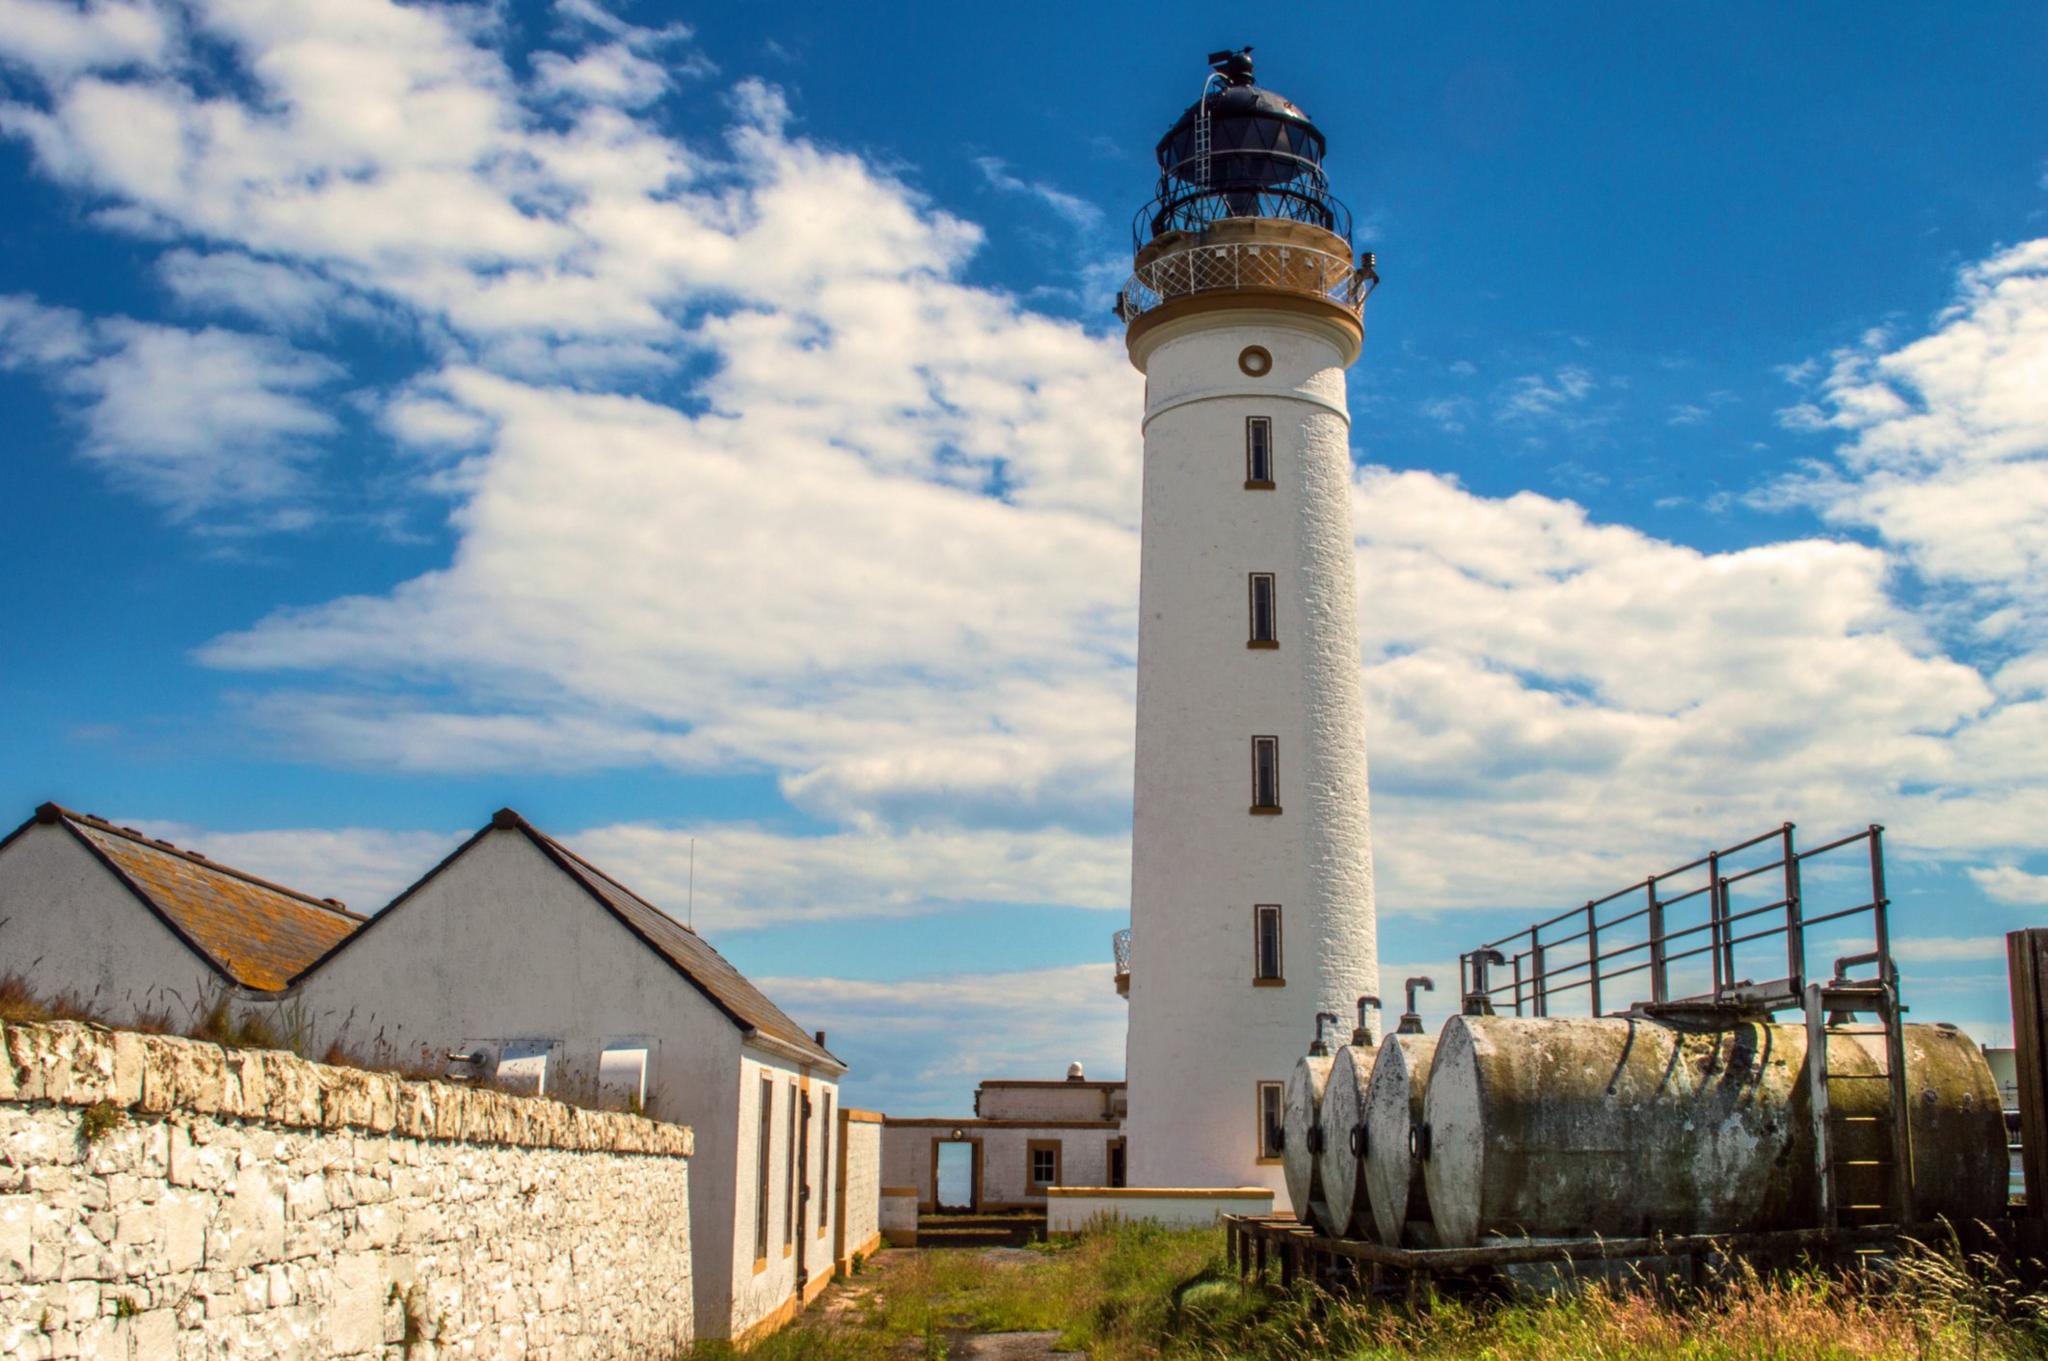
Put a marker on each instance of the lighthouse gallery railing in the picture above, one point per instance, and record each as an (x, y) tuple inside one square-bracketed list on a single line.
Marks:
[(1246, 264)]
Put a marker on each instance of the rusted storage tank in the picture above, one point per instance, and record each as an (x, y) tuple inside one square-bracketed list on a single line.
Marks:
[(1303, 1136), (1626, 1127), (1394, 1121), (1339, 1167)]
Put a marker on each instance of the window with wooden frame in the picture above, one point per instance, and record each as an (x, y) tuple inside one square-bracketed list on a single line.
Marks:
[(1265, 627), (825, 1163), (1043, 1163), (789, 1210), (767, 1140), (1272, 1095), (1258, 453), (1266, 955), (1265, 774)]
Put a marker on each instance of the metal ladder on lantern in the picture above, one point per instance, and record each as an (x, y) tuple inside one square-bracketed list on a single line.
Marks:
[(1863, 1154)]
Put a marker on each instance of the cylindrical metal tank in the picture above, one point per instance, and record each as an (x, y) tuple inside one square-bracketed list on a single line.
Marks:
[(1338, 1166), (1393, 1163), (1627, 1127), (1304, 1138)]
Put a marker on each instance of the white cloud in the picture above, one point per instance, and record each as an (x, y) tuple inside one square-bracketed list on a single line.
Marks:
[(64, 39), (1947, 949), (1077, 211), (1534, 397), (2009, 884), (1945, 450), (917, 1044), (204, 423), (280, 296)]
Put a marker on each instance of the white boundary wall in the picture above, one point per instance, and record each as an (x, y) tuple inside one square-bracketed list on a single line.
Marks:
[(163, 1197), (1070, 1209)]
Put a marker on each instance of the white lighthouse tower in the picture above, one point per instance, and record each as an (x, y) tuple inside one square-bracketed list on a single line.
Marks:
[(1251, 873)]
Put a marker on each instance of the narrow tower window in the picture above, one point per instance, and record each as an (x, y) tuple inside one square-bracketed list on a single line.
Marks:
[(1258, 453), (1270, 1096), (1266, 943), (767, 1123), (1264, 632), (1265, 774)]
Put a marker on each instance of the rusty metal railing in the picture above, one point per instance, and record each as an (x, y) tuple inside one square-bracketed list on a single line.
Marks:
[(1644, 944)]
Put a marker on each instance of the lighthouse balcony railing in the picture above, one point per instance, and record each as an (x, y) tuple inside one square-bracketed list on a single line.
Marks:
[(1223, 266), (1120, 944)]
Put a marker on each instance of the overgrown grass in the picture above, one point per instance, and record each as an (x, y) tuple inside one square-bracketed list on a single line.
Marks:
[(1144, 1294)]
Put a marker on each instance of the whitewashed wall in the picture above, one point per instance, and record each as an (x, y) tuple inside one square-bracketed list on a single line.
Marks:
[(765, 1289), (1005, 1168), (248, 1203), (1201, 1035), (860, 1185), (1048, 1101), (67, 925), (502, 945), (1077, 1210)]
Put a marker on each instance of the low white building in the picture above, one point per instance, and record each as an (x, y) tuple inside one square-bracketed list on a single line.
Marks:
[(1024, 1138), (517, 958), (132, 929)]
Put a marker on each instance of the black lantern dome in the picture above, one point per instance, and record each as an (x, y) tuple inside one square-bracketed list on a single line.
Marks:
[(1240, 151)]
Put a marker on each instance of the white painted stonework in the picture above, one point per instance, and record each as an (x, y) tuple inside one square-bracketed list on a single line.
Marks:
[(247, 1203), (1075, 1208), (500, 946), (1202, 1036), (68, 927)]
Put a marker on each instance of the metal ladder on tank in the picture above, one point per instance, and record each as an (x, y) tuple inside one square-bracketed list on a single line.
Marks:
[(1863, 1164)]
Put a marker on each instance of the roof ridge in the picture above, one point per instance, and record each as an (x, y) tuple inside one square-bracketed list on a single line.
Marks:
[(50, 812)]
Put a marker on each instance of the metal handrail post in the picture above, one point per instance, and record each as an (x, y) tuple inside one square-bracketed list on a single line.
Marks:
[(1879, 908), (1795, 927), (1660, 983), (1541, 1005), (1593, 956), (1715, 931)]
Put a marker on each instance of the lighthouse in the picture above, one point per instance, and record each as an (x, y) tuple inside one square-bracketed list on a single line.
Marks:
[(1251, 856)]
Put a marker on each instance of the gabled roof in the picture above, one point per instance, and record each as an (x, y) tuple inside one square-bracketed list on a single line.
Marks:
[(688, 953), (250, 931)]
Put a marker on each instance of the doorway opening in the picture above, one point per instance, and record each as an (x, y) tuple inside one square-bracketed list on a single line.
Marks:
[(956, 1176)]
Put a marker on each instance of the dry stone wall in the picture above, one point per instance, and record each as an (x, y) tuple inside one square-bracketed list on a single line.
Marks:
[(163, 1197)]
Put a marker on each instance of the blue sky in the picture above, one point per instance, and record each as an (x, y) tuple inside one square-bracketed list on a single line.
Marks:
[(709, 426)]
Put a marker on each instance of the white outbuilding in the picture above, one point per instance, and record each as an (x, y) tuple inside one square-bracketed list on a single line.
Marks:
[(129, 928), (517, 960)]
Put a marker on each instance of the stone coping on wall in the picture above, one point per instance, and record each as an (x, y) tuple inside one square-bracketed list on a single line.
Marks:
[(861, 1117), (74, 1063)]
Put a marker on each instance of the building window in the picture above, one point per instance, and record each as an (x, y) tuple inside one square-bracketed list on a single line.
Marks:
[(1258, 453), (767, 1123), (825, 1176), (1271, 1094), (789, 1214), (1044, 1156), (1264, 628), (1265, 774), (1266, 943)]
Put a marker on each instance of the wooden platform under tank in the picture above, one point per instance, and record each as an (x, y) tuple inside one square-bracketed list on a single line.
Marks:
[(1260, 1244)]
